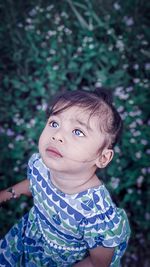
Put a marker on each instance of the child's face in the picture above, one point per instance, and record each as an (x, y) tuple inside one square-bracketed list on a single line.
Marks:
[(70, 141)]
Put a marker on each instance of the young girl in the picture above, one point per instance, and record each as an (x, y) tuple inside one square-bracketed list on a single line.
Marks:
[(73, 222)]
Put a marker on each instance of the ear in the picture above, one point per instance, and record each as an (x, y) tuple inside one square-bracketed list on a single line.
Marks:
[(104, 158)]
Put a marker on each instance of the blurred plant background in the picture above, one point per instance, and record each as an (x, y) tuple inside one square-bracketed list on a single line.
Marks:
[(47, 46)]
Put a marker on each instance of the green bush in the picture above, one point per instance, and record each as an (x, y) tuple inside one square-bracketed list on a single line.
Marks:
[(48, 47)]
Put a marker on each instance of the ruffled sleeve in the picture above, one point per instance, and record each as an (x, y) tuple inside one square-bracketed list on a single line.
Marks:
[(31, 163), (108, 226)]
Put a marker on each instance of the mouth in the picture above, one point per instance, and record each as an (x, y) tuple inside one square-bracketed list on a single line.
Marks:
[(53, 152)]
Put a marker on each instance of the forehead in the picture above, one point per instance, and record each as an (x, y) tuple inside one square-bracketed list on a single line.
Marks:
[(78, 114)]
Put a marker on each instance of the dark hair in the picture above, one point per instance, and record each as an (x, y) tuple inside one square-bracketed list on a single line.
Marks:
[(98, 102)]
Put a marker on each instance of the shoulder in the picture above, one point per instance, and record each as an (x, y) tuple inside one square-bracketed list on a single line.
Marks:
[(36, 167), (35, 157), (108, 224), (102, 201)]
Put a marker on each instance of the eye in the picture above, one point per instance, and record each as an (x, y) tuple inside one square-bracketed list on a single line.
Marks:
[(53, 124), (78, 132)]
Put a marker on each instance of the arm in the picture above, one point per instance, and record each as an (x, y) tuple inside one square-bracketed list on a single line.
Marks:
[(99, 257), (15, 191)]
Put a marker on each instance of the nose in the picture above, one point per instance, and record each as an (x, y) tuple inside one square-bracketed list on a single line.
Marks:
[(58, 136), (54, 138)]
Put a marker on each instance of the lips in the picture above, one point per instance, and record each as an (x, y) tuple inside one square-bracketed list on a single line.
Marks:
[(53, 152)]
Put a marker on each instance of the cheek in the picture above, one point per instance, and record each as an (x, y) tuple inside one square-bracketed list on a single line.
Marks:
[(40, 143), (85, 152), (42, 139)]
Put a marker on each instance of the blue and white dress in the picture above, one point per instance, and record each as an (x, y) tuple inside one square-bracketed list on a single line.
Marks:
[(60, 228)]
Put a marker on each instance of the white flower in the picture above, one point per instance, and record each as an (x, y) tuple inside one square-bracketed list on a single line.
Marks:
[(38, 107), (67, 31), (128, 21), (60, 39), (32, 122), (147, 66), (60, 28), (10, 132), (119, 91), (132, 140), (144, 42), (18, 120), (23, 205), (137, 133), (44, 106), (145, 80), (148, 151), (125, 66), (38, 32), (52, 51), (11, 146), (140, 36), (117, 149), (115, 182), (51, 33), (110, 31), (116, 6), (120, 109), (133, 124), (120, 45), (19, 137), (110, 48), (79, 50), (91, 46), (64, 14), (48, 16), (91, 27), (43, 44), (124, 115), (144, 142), (49, 8), (107, 17), (16, 169), (144, 170), (139, 121), (48, 59), (98, 84), (130, 191), (135, 113), (28, 20), (129, 89), (33, 12), (136, 80), (55, 67), (136, 66), (30, 27), (20, 25), (138, 154), (37, 8), (2, 130), (140, 180), (57, 19), (147, 216)]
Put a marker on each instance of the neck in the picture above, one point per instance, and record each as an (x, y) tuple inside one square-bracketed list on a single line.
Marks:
[(72, 184)]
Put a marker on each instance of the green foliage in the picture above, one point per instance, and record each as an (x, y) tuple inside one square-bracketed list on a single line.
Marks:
[(47, 47)]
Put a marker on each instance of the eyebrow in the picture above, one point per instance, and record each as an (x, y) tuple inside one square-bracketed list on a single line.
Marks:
[(83, 124), (78, 121)]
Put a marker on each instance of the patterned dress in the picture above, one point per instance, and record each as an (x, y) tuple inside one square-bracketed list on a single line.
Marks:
[(60, 228)]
